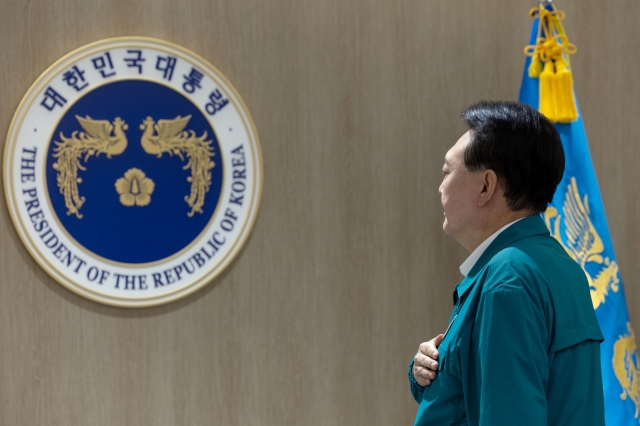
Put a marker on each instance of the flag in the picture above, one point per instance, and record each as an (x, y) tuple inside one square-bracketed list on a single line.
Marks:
[(576, 217)]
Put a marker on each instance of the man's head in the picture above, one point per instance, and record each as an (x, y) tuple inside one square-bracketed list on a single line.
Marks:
[(507, 165)]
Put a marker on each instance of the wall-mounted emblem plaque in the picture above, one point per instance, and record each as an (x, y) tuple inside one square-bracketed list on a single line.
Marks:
[(132, 172)]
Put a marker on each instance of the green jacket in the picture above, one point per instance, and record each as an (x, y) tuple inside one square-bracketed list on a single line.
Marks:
[(523, 347)]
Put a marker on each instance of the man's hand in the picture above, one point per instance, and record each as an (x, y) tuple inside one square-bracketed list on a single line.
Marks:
[(425, 362)]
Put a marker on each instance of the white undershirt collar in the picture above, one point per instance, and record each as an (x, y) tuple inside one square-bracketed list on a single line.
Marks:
[(466, 266)]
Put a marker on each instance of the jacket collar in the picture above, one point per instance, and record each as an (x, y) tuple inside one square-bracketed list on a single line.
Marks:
[(527, 227)]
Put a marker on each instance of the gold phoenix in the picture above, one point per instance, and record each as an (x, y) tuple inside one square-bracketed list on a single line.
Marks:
[(169, 136), (97, 138), (627, 368), (583, 243)]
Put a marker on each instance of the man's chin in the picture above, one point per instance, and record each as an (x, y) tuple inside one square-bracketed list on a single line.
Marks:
[(445, 226)]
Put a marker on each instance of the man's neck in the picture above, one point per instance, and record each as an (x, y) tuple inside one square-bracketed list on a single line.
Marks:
[(489, 229)]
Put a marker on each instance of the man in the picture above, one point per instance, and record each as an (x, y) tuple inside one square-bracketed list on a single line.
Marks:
[(522, 346)]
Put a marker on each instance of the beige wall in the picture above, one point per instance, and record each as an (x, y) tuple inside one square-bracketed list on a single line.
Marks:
[(347, 270)]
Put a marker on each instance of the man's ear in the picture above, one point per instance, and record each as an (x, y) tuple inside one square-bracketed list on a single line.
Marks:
[(489, 187)]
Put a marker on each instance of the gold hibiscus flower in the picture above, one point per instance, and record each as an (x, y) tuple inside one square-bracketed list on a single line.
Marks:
[(135, 188)]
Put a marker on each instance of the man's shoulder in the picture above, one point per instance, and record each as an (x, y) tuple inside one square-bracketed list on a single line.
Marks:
[(535, 260)]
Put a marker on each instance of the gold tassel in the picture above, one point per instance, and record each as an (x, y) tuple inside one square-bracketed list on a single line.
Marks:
[(566, 109), (536, 66), (548, 91), (550, 63)]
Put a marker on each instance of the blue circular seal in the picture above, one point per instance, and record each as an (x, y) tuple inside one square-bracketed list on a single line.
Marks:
[(130, 233)]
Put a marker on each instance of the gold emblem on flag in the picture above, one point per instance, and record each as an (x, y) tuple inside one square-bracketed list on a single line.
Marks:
[(626, 367), (583, 243)]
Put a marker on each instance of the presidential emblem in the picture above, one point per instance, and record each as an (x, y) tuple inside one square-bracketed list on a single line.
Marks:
[(133, 172), (626, 366), (583, 244)]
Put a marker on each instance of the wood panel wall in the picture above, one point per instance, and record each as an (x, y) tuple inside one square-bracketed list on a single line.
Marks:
[(347, 270)]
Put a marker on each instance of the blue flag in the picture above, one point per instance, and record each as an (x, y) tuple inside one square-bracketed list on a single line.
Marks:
[(576, 218)]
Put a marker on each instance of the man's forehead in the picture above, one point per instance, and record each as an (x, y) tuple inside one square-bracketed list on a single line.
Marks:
[(463, 140), (450, 157), (456, 150)]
